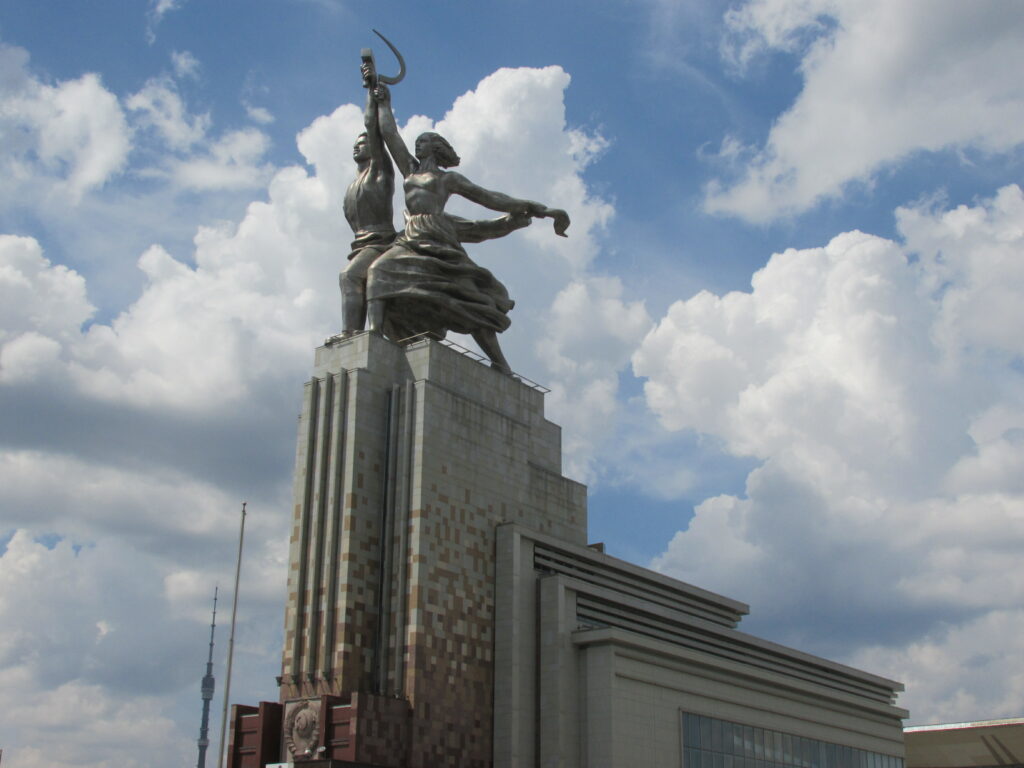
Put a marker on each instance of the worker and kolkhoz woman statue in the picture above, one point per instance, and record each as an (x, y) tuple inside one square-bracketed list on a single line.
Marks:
[(421, 281)]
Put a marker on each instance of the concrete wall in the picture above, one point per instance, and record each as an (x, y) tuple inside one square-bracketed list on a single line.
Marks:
[(596, 660)]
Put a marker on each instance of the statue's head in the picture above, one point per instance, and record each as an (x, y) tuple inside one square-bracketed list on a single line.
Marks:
[(361, 149), (434, 145)]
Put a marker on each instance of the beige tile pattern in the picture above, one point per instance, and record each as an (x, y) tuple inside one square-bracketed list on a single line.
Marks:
[(467, 449)]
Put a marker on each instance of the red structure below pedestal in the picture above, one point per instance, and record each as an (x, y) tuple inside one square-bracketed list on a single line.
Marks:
[(359, 729)]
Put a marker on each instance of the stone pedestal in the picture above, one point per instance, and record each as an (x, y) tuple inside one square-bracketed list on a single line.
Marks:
[(407, 460)]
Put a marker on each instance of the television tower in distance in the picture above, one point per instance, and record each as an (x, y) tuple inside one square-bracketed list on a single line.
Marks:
[(207, 691)]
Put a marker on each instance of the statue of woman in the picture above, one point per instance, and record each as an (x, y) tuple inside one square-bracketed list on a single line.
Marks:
[(426, 283)]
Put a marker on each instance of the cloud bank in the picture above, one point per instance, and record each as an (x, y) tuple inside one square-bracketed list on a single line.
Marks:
[(881, 82), (879, 385)]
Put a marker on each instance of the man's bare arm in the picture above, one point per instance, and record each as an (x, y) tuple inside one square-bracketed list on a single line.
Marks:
[(374, 141)]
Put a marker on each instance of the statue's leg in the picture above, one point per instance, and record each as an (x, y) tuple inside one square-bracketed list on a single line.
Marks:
[(375, 314), (488, 341), (376, 308), (353, 290)]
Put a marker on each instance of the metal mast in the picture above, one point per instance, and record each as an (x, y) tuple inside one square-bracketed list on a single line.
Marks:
[(207, 690), (231, 639)]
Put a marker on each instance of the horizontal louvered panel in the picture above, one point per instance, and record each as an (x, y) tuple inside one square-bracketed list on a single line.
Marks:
[(598, 612), (629, 584)]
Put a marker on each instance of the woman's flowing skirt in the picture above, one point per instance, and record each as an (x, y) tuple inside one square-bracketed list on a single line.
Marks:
[(432, 286)]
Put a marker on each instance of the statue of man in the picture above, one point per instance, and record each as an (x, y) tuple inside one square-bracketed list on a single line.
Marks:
[(368, 208)]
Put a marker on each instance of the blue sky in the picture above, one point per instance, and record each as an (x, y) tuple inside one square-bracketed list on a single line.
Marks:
[(782, 338)]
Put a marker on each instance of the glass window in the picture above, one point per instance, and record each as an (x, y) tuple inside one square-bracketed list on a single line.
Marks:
[(727, 738), (737, 740), (691, 734), (712, 743)]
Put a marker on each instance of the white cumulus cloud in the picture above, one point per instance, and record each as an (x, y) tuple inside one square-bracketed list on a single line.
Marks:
[(160, 107), (185, 64), (234, 161), (37, 295), (592, 331), (73, 134), (881, 81), (157, 10), (71, 624), (886, 407)]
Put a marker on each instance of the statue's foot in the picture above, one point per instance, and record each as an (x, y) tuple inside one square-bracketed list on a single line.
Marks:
[(343, 336), (501, 367)]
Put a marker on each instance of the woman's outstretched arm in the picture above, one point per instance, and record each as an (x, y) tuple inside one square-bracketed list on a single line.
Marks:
[(458, 184), (404, 159), (496, 201)]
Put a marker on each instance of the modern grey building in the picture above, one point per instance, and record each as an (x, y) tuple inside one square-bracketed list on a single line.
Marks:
[(603, 663)]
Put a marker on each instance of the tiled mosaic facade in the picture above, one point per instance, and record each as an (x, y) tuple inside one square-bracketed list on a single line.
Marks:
[(334, 548), (426, 450)]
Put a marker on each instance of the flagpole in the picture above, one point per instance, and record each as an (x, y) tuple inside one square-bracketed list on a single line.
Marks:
[(231, 641)]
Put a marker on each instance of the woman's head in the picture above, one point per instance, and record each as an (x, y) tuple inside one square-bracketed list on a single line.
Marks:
[(433, 144)]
